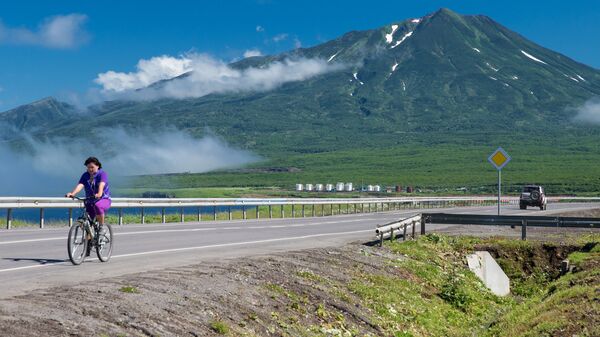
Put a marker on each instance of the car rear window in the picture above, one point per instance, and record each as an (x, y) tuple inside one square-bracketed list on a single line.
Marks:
[(530, 189)]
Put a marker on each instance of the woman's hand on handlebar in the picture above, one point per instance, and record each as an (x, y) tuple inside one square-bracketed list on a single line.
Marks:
[(69, 195)]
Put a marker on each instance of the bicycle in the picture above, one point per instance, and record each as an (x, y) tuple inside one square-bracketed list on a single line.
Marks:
[(84, 234)]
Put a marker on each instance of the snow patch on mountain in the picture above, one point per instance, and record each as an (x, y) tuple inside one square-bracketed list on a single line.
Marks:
[(333, 56), (477, 50), (356, 78), (406, 36), (395, 66), (532, 57), (491, 67), (390, 37)]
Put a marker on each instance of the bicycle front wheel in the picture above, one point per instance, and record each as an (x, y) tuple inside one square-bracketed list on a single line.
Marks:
[(77, 244), (104, 243)]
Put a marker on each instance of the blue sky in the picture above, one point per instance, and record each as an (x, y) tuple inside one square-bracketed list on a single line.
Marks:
[(55, 48)]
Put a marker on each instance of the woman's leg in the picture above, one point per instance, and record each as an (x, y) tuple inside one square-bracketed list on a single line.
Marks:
[(101, 207)]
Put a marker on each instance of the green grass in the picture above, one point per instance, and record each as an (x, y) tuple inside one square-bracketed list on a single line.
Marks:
[(443, 298), (129, 290), (219, 327), (441, 169)]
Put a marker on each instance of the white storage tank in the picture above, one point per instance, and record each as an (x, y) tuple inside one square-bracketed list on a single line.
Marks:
[(339, 187), (309, 187), (329, 187), (299, 187), (376, 188), (370, 188), (349, 187), (319, 187)]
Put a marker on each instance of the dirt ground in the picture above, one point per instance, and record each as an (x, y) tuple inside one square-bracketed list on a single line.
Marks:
[(187, 301)]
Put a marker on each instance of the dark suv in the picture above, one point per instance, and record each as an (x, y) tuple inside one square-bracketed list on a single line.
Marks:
[(533, 195)]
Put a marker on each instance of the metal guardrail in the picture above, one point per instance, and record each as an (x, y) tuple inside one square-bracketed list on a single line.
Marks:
[(387, 230), (352, 205), (324, 205)]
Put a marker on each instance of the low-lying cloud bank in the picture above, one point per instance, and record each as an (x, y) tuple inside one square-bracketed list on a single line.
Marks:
[(53, 167), (589, 112), (204, 75)]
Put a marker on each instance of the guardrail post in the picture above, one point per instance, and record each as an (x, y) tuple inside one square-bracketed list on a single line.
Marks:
[(523, 229), (303, 214), (199, 214), (143, 216), (414, 225), (322, 209), (244, 212), (9, 218), (293, 211), (215, 213), (381, 240), (392, 237), (422, 225), (182, 217), (70, 217), (41, 218), (369, 208), (282, 212), (404, 232), (313, 210), (258, 211), (270, 212), (331, 209), (347, 208), (163, 216), (120, 217), (229, 212)]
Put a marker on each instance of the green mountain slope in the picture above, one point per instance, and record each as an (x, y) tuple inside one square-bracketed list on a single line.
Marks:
[(441, 79)]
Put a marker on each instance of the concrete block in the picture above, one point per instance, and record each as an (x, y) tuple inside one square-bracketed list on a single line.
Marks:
[(487, 269)]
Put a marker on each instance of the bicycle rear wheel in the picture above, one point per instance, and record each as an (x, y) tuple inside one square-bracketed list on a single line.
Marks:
[(77, 244), (104, 244)]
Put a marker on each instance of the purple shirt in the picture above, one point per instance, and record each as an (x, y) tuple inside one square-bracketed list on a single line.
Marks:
[(91, 185)]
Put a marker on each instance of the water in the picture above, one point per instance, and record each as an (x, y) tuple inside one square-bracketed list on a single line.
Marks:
[(57, 215)]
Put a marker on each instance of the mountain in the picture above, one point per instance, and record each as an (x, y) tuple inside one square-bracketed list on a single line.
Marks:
[(40, 115), (439, 77)]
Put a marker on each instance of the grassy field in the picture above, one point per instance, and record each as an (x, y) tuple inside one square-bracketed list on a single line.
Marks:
[(542, 302), (563, 168)]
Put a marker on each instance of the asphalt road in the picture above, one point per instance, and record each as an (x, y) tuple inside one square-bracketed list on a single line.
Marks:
[(33, 258)]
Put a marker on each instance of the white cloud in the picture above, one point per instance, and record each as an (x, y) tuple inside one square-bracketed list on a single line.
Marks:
[(207, 75), (280, 37), (52, 167), (61, 31), (260, 28), (252, 53), (297, 43), (148, 71), (589, 112)]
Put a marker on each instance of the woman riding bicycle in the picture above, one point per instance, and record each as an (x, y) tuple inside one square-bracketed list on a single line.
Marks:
[(95, 183)]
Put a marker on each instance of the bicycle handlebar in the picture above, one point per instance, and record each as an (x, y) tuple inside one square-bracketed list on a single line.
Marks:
[(74, 197)]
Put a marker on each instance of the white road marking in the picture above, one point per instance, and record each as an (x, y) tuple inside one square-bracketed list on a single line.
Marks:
[(200, 229), (173, 250)]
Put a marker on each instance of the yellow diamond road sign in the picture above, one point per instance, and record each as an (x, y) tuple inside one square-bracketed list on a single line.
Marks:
[(499, 158)]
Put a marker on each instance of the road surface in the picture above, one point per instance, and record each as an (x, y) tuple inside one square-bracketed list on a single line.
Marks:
[(33, 258)]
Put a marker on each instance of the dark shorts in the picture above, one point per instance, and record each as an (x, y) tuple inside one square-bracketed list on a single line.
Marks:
[(98, 208)]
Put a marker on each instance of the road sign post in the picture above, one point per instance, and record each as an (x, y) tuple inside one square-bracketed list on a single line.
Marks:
[(499, 159)]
